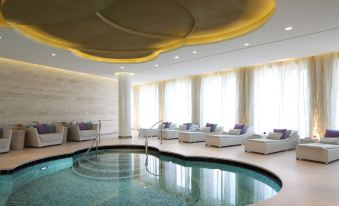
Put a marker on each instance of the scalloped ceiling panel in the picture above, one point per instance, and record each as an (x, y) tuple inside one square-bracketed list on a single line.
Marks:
[(132, 30)]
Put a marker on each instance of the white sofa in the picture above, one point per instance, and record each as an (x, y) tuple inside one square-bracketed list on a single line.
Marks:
[(34, 139), (75, 134), (5, 140), (225, 139), (198, 135), (267, 146), (320, 152)]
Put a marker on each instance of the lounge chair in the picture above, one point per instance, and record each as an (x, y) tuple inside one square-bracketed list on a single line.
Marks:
[(327, 150), (43, 135), (145, 132), (230, 138), (174, 133), (198, 135), (5, 139), (82, 131), (266, 145)]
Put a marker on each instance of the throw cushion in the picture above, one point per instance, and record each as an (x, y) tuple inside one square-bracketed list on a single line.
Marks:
[(41, 128), (167, 125), (242, 127), (82, 126), (51, 128), (212, 126), (283, 131), (205, 129), (188, 126), (88, 125), (331, 133), (234, 131), (332, 140), (275, 135)]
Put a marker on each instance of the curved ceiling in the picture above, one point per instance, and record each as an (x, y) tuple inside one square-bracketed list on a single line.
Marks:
[(132, 30)]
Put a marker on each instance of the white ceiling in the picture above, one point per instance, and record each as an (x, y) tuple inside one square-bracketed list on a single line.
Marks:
[(316, 31)]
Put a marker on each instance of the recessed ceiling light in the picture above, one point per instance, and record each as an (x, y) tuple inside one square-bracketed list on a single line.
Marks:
[(194, 52), (53, 54), (122, 67), (176, 57), (246, 44), (156, 65), (0, 37), (289, 28)]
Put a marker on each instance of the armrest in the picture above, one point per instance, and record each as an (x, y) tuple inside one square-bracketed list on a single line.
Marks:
[(33, 138), (4, 142), (95, 127), (60, 129), (7, 133)]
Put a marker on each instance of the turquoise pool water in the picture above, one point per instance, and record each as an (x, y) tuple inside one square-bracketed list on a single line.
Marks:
[(119, 177)]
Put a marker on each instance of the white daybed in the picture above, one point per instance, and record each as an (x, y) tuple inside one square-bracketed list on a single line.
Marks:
[(198, 135), (228, 139), (267, 146)]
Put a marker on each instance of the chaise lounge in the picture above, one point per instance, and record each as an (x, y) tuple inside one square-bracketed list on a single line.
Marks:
[(199, 135), (277, 141), (174, 133), (232, 137), (327, 150), (144, 132), (5, 139)]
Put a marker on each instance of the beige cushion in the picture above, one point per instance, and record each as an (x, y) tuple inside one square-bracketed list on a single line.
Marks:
[(274, 135), (88, 133), (329, 140), (51, 137), (234, 132), (205, 129)]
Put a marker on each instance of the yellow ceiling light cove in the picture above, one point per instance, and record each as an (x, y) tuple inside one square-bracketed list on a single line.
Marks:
[(128, 31)]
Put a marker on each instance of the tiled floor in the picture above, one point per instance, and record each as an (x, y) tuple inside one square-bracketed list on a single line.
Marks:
[(304, 182)]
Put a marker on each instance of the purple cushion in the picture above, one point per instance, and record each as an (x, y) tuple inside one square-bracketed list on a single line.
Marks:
[(242, 127), (188, 125), (83, 126), (167, 124), (283, 131), (212, 126), (331, 133), (41, 128)]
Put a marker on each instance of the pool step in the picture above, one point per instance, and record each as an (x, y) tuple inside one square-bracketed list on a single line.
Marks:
[(110, 166)]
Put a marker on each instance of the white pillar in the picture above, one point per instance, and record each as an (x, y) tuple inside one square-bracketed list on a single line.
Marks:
[(124, 104)]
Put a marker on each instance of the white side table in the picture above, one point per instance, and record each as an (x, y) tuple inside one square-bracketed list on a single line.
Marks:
[(308, 140)]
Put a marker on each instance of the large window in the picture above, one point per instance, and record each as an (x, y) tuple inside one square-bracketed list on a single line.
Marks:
[(280, 97), (219, 99), (333, 97), (148, 105), (178, 101)]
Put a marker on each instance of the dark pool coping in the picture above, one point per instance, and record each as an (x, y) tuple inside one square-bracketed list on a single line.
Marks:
[(261, 170)]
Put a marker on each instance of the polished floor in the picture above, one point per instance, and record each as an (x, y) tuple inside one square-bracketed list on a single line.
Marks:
[(304, 182)]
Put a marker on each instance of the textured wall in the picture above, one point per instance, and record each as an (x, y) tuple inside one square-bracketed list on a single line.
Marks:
[(31, 92)]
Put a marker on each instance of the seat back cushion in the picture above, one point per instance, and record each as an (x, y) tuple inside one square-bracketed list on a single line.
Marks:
[(275, 135), (283, 131), (234, 131), (41, 128), (82, 126), (332, 140), (212, 126), (51, 128)]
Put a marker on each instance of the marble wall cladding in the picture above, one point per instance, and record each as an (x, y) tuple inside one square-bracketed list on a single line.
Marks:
[(31, 92)]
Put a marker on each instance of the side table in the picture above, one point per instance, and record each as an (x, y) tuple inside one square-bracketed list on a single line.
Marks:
[(18, 139), (65, 135)]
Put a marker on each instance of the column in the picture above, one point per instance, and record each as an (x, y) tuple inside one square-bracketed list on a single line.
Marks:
[(124, 104)]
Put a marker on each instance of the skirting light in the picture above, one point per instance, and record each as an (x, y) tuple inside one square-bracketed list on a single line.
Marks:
[(176, 57), (53, 54), (0, 37), (246, 44), (156, 65), (289, 28), (194, 52)]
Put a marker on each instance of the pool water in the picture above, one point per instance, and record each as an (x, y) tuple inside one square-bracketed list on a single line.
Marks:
[(120, 177)]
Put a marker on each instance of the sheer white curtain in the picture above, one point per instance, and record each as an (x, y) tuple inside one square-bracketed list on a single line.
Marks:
[(148, 105), (279, 97), (178, 101), (219, 99), (333, 93)]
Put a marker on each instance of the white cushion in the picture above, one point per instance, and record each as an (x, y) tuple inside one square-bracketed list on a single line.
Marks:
[(234, 131), (275, 135), (330, 140), (205, 129)]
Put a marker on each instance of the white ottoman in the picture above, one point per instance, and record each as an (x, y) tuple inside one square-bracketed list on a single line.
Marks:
[(191, 137), (317, 152)]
